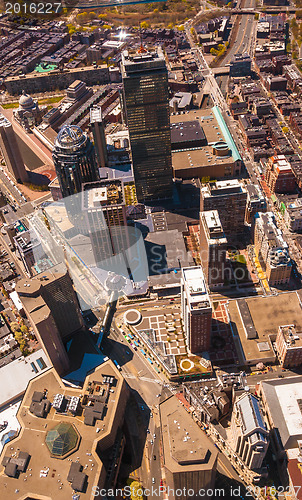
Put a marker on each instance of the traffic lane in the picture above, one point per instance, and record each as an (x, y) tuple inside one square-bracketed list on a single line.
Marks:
[(277, 372), (12, 256), (155, 467), (134, 368), (11, 189), (243, 38)]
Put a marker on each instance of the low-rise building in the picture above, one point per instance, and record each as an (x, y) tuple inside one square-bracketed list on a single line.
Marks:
[(273, 249), (240, 65), (289, 346), (279, 175), (282, 405), (293, 214), (256, 202), (205, 149)]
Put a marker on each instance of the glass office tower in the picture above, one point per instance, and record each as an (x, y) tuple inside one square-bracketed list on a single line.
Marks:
[(74, 160), (146, 102)]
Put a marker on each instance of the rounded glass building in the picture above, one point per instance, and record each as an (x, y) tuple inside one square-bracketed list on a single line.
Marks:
[(74, 160)]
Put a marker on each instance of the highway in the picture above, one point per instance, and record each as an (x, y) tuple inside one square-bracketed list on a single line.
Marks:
[(244, 34)]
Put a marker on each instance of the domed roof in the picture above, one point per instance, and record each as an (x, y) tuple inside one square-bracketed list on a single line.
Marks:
[(61, 439), (70, 136), (26, 101)]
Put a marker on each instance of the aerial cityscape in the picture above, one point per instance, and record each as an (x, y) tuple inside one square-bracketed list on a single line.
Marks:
[(151, 250)]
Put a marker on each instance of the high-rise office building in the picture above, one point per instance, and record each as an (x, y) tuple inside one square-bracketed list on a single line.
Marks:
[(229, 199), (196, 309), (10, 150), (104, 212), (272, 248), (51, 305), (146, 101), (97, 128), (213, 247), (249, 431), (187, 467), (74, 160)]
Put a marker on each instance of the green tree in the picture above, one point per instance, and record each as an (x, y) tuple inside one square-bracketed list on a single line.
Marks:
[(135, 488), (24, 329), (14, 326)]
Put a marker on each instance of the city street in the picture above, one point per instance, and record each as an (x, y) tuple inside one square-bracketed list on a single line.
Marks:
[(244, 34)]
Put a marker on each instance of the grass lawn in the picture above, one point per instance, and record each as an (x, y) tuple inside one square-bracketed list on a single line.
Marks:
[(49, 100)]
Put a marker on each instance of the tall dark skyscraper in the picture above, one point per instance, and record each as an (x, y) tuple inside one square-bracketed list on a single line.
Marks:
[(146, 101), (97, 128), (74, 160)]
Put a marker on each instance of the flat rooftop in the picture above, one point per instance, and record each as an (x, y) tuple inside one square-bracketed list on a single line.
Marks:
[(134, 62), (283, 396), (15, 376), (187, 132), (213, 227), (290, 335), (105, 193), (223, 188), (166, 250), (201, 156), (195, 287), (53, 484), (265, 315), (186, 447)]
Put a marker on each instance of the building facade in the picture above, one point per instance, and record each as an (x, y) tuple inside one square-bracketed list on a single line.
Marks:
[(279, 175), (240, 65), (273, 249), (229, 198), (146, 102), (74, 160), (11, 152), (213, 248), (51, 305), (250, 435), (196, 309), (256, 202), (289, 346), (188, 467), (104, 211), (98, 132)]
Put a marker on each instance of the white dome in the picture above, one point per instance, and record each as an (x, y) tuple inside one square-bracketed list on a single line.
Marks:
[(26, 101)]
